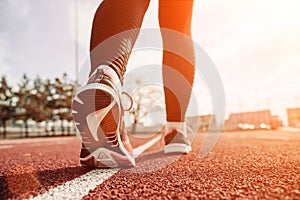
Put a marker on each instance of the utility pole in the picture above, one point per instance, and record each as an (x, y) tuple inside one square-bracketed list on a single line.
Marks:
[(76, 38)]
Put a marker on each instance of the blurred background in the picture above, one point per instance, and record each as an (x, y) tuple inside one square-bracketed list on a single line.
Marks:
[(254, 44)]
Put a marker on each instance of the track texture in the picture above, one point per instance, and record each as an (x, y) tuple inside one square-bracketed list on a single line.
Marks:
[(30, 168), (241, 166), (238, 167)]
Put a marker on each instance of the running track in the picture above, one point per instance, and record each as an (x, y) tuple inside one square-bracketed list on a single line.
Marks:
[(249, 165)]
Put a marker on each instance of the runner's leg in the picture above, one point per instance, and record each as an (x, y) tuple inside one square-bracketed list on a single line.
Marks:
[(96, 107), (178, 70), (115, 17), (176, 15)]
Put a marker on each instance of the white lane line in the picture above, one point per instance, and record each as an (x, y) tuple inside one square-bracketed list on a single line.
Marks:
[(139, 150), (79, 187)]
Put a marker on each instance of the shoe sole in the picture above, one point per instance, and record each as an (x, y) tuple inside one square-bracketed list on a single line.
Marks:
[(177, 148), (94, 98), (105, 159)]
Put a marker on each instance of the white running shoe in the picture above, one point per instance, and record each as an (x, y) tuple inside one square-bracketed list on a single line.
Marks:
[(98, 115)]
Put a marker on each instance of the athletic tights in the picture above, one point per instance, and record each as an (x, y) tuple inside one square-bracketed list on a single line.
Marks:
[(112, 42)]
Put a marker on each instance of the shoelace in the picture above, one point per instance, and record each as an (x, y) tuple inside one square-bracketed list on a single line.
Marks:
[(98, 77), (112, 139)]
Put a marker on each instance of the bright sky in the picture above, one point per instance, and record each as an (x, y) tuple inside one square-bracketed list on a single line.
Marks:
[(255, 44)]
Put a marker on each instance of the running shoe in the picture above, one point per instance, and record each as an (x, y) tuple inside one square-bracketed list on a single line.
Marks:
[(176, 142), (98, 115)]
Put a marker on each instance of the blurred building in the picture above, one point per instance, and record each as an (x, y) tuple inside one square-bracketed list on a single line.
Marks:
[(206, 122), (202, 123), (294, 117), (262, 119), (276, 122)]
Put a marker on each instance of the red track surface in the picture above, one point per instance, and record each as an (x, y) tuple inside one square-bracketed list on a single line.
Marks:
[(242, 165)]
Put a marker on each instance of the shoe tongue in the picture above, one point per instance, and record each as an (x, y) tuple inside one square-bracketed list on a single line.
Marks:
[(105, 73), (112, 76), (174, 131)]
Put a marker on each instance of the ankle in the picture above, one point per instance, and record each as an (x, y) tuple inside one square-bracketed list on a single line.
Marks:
[(179, 126)]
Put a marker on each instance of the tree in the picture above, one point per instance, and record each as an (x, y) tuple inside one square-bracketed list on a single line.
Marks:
[(144, 99), (29, 105), (38, 101), (39, 96), (48, 93), (67, 97), (61, 101), (6, 104)]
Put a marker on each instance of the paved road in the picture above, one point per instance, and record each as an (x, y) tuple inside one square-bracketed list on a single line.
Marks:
[(249, 165)]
